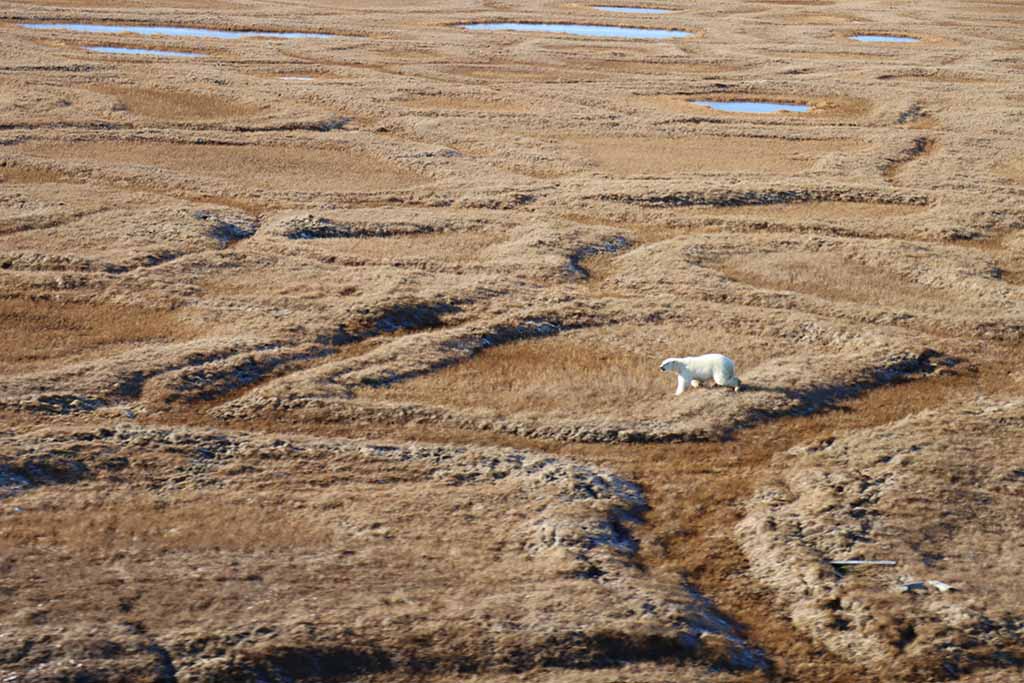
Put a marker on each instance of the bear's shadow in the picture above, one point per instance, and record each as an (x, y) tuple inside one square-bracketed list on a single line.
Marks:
[(743, 387)]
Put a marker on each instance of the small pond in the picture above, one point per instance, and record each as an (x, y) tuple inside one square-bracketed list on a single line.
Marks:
[(632, 10), (885, 39), (143, 30), (584, 30), (752, 107), (140, 51)]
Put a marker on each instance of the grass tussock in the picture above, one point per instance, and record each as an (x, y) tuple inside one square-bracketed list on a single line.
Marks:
[(32, 331)]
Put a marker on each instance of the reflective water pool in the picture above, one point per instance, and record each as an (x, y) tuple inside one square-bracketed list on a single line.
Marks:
[(752, 107), (174, 31), (633, 10), (139, 51), (584, 30), (885, 39)]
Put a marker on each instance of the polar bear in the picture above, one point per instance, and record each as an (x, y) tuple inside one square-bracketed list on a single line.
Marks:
[(693, 370)]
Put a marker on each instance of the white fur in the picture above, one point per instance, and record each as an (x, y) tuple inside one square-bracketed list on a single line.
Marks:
[(694, 370)]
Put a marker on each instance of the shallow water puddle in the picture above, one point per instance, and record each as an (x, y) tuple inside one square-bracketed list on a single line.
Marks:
[(297, 78), (751, 107), (143, 30), (884, 39), (590, 30), (632, 10), (139, 51)]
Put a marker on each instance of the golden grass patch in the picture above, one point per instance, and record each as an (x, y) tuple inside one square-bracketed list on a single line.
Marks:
[(119, 4), (818, 19), (807, 211), (649, 67), (33, 331), (455, 247), (830, 276), (518, 72), (634, 156), (145, 522), (1012, 170), (574, 374), (435, 102), (21, 175), (269, 167), (176, 105)]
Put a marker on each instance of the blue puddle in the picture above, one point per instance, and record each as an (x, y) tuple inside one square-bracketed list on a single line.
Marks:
[(139, 51), (752, 107), (633, 10), (174, 31), (584, 30), (885, 39)]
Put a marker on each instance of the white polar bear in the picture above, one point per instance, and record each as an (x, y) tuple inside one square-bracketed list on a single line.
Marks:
[(693, 370)]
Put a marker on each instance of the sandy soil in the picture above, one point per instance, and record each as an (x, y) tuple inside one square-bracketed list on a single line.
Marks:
[(338, 359)]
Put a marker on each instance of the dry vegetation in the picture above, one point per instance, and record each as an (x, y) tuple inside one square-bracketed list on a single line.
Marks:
[(701, 154), (176, 105), (260, 167), (581, 374), (356, 378), (36, 331)]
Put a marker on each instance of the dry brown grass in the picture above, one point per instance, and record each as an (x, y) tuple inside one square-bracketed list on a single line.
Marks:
[(435, 102), (1012, 170), (249, 166), (517, 72), (25, 175), (556, 375), (455, 247), (20, 175), (928, 148), (704, 154), (222, 545), (177, 105), (171, 4), (149, 524), (34, 331), (819, 18), (699, 492), (644, 67), (614, 372), (831, 277), (818, 212)]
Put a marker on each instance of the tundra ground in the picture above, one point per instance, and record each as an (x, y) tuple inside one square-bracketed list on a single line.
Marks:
[(338, 359)]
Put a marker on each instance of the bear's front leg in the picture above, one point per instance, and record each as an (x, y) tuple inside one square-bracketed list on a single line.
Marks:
[(680, 385)]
